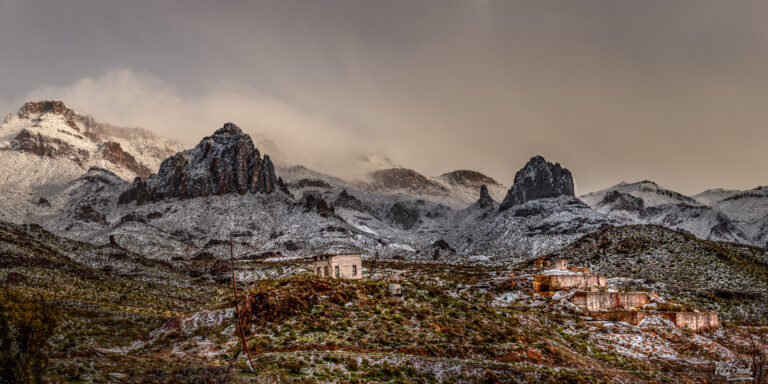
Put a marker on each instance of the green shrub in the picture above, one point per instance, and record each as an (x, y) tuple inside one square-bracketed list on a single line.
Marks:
[(25, 326)]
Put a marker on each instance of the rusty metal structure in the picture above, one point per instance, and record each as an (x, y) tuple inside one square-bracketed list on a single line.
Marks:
[(237, 306)]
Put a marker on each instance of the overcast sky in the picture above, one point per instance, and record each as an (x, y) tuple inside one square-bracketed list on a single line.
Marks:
[(671, 91)]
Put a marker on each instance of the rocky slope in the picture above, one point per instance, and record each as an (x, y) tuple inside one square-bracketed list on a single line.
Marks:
[(45, 145), (538, 179), (126, 318)]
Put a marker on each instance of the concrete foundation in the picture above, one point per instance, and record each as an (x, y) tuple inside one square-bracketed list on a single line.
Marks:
[(597, 301), (694, 321), (543, 283)]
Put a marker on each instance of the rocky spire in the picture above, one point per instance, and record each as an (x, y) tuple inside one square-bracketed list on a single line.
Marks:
[(226, 162), (485, 200), (537, 180)]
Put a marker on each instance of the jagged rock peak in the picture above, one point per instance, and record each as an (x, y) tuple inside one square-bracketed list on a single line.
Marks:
[(225, 162), (485, 200), (538, 179), (32, 108)]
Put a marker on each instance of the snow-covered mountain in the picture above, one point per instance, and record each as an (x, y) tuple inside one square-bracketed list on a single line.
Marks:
[(45, 145), (456, 189), (646, 202), (91, 182), (749, 209), (200, 196)]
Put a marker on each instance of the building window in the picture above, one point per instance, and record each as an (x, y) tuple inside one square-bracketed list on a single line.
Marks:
[(336, 270), (319, 271), (326, 271), (354, 270)]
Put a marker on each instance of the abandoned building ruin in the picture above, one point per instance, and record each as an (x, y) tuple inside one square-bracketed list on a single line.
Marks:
[(338, 266), (593, 297)]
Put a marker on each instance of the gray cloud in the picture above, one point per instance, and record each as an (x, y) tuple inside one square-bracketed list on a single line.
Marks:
[(615, 90)]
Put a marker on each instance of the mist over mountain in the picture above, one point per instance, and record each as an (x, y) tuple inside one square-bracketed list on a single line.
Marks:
[(129, 203)]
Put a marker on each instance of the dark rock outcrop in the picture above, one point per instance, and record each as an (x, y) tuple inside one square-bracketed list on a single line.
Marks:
[(40, 145), (87, 214), (537, 180), (305, 183), (132, 217), (485, 200), (438, 250), (349, 201), (281, 185), (226, 162), (402, 215), (313, 201)]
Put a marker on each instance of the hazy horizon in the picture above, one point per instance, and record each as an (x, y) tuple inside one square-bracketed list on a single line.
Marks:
[(671, 92)]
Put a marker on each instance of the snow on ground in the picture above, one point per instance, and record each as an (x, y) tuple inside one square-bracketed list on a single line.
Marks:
[(641, 345), (506, 298)]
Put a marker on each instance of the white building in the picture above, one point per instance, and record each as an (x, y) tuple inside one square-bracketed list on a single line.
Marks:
[(347, 266)]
